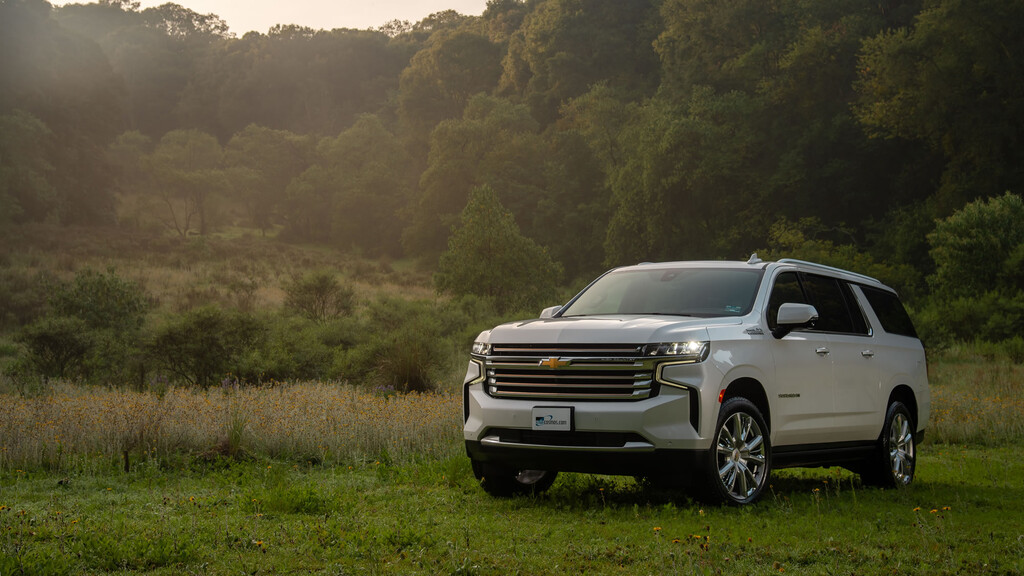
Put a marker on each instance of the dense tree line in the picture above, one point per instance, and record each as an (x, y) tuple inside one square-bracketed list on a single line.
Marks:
[(609, 131)]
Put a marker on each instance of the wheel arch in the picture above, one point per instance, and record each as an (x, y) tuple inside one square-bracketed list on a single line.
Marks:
[(752, 390), (905, 394)]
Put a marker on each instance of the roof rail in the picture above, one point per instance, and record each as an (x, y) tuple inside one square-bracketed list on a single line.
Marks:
[(829, 268)]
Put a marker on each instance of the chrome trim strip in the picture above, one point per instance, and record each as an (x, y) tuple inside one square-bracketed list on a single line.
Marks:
[(635, 395), (495, 442)]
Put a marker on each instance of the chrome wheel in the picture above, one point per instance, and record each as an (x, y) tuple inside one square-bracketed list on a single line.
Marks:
[(893, 463), (740, 459), (901, 449)]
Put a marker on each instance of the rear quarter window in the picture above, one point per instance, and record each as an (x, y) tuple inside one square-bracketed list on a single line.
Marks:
[(890, 311)]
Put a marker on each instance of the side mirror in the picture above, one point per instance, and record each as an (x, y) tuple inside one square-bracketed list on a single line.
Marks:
[(792, 316), (549, 311)]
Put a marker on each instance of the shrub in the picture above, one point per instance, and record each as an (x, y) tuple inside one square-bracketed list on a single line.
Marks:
[(405, 349), (205, 345), (319, 296), (102, 301), (992, 317), (56, 346), (290, 348)]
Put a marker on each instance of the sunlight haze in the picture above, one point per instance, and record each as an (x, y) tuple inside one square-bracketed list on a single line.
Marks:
[(260, 15)]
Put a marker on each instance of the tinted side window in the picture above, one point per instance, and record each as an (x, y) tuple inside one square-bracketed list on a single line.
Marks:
[(890, 312), (860, 324), (786, 289), (827, 296)]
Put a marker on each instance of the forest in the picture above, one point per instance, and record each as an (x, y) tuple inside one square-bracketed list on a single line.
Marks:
[(511, 156)]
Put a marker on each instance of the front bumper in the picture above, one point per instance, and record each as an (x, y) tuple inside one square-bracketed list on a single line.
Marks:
[(651, 436)]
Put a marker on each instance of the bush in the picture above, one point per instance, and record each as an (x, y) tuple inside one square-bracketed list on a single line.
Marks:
[(57, 346), (290, 348), (991, 317), (102, 301), (205, 345), (319, 296), (405, 350)]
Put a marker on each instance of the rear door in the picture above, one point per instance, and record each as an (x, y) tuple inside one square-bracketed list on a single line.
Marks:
[(851, 348)]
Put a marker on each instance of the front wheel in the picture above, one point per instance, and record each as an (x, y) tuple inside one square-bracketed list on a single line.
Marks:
[(894, 463), (739, 461), (505, 482)]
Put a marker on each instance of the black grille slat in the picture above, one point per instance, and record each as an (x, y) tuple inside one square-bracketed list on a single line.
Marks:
[(570, 372)]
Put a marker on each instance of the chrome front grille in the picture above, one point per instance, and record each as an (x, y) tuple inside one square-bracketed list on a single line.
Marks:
[(570, 372)]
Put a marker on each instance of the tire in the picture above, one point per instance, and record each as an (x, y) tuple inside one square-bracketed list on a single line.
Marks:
[(738, 462), (506, 482), (895, 461)]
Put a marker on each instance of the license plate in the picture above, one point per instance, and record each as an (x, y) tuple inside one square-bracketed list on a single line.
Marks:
[(553, 418)]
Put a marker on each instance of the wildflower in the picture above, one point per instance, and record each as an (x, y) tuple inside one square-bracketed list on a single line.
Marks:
[(946, 508), (933, 511), (675, 540), (918, 509), (657, 528)]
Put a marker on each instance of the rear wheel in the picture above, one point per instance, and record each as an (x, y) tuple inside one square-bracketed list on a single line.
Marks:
[(739, 461), (894, 463), (505, 482)]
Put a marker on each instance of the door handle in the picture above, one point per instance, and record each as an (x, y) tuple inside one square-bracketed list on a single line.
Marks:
[(821, 351), (867, 353)]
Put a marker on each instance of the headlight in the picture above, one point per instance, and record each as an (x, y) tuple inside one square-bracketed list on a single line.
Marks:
[(693, 351), (481, 348)]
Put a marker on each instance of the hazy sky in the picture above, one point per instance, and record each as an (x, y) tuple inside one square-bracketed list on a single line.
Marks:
[(259, 15)]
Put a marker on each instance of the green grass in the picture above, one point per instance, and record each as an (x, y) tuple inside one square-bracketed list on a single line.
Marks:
[(963, 515)]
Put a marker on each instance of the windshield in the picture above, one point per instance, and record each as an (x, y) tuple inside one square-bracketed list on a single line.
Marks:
[(701, 292)]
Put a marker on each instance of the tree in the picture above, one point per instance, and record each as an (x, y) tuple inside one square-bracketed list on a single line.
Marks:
[(265, 161), (953, 81), (186, 168), (26, 168), (978, 285), (566, 46), (488, 256), (442, 77), (495, 143), (980, 248), (65, 81), (687, 187)]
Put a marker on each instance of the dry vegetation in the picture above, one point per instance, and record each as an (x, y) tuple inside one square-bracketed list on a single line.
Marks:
[(245, 272), (976, 402), (320, 423), (972, 403)]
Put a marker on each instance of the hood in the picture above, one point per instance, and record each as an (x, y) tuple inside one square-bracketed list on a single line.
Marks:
[(604, 330)]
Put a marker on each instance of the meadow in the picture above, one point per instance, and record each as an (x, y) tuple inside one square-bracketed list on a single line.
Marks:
[(332, 479)]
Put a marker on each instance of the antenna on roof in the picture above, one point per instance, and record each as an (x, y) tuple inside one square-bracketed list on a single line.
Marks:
[(754, 259)]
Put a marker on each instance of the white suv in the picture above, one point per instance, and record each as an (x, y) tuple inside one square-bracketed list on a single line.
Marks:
[(709, 373)]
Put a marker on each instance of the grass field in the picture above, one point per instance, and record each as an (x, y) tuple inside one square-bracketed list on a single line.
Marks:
[(962, 516), (330, 479)]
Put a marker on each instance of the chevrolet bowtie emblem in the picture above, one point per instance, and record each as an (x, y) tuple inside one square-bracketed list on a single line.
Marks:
[(555, 362)]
